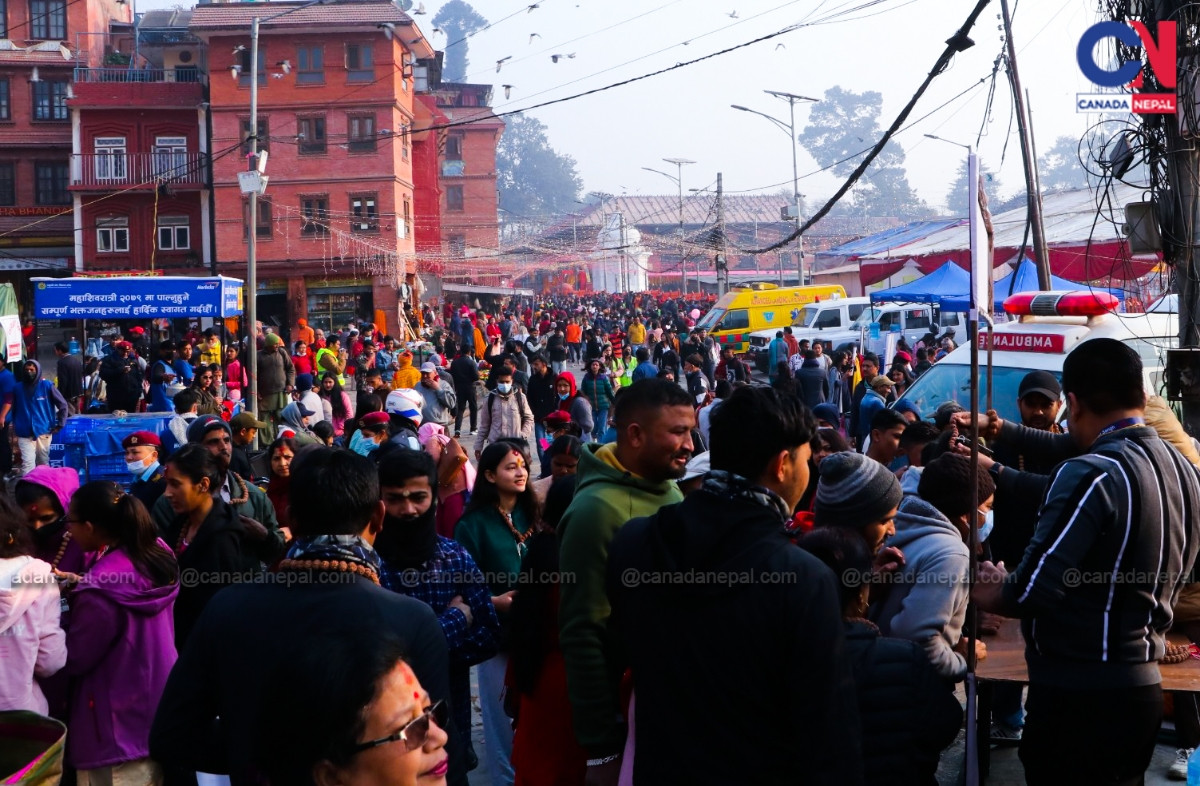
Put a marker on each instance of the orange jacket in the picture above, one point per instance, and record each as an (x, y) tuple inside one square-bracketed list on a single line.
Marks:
[(574, 333)]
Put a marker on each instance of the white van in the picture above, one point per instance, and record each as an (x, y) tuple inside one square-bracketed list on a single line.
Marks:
[(811, 322), (1033, 343)]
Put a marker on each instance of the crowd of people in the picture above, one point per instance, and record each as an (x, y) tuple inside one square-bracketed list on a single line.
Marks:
[(696, 540)]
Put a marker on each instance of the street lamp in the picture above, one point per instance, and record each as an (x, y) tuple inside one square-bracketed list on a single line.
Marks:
[(788, 128), (679, 162), (252, 229), (981, 283)]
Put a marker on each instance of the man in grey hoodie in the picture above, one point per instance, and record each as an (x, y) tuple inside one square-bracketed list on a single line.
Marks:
[(927, 602)]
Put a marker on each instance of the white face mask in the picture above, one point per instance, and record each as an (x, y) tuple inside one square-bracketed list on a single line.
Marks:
[(985, 527), (136, 467)]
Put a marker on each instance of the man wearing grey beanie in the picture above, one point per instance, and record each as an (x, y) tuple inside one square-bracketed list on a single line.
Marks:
[(859, 493)]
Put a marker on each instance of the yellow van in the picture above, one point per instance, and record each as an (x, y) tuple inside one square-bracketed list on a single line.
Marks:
[(744, 310)]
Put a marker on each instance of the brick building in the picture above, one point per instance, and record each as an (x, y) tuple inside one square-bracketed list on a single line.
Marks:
[(139, 170), (335, 235), (470, 225), (41, 43)]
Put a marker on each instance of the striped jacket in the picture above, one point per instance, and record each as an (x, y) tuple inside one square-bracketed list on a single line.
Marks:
[(1116, 537)]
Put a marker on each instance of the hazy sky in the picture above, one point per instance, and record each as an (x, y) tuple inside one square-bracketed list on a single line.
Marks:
[(888, 47)]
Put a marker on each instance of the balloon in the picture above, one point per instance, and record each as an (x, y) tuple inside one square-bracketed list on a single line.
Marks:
[(694, 313)]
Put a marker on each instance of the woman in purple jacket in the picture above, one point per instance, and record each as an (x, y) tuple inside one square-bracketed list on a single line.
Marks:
[(121, 645)]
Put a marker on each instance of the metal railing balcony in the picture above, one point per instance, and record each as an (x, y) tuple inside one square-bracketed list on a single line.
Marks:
[(122, 170), (126, 74)]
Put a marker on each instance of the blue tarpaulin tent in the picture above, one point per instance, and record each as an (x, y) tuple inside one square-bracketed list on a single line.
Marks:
[(137, 297), (1024, 279), (948, 280)]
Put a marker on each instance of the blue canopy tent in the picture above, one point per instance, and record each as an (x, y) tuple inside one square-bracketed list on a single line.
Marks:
[(947, 281), (137, 297), (1023, 279)]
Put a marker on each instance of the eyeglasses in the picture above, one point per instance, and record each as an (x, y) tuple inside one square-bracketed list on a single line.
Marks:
[(414, 733)]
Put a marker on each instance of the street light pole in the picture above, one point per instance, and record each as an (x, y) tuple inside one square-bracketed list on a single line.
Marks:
[(252, 223), (790, 129), (679, 162)]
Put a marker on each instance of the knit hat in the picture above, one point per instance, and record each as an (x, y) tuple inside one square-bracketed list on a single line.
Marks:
[(943, 413), (273, 340), (374, 419), (854, 491), (828, 413), (204, 424), (946, 484), (304, 381)]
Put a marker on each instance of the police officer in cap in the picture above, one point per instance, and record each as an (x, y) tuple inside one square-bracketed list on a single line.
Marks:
[(141, 458)]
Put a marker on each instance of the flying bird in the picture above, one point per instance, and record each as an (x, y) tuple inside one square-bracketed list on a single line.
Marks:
[(239, 48), (779, 46), (501, 62), (733, 15), (437, 30), (507, 90), (277, 76), (533, 36), (420, 9), (556, 58), (533, 6)]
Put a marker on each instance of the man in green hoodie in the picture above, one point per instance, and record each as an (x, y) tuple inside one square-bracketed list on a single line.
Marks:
[(617, 482)]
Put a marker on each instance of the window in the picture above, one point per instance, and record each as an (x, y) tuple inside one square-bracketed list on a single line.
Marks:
[(311, 131), (170, 157), (50, 183), (738, 319), (262, 226), (829, 318), (8, 189), (854, 310), (244, 62), (916, 320), (361, 133), (112, 235), (264, 136), (5, 102), (110, 158), (405, 129), (358, 63), (48, 20), (310, 65), (174, 234), (50, 100), (365, 217), (458, 246), (315, 212), (3, 18), (454, 198), (454, 147), (406, 225)]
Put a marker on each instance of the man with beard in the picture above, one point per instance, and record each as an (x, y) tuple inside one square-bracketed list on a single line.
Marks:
[(250, 502), (437, 571), (617, 482)]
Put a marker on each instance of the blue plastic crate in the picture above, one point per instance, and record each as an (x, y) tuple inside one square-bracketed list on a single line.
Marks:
[(111, 464), (75, 431)]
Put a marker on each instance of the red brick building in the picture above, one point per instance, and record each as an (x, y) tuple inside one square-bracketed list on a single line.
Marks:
[(335, 234), (470, 223), (139, 171), (41, 43)]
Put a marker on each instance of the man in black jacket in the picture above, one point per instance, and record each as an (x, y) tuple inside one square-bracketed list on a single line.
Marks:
[(712, 603), (465, 373), (207, 719), (1115, 542), (543, 399), (70, 376)]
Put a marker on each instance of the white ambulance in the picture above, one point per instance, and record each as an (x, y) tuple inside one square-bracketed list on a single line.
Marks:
[(1046, 326)]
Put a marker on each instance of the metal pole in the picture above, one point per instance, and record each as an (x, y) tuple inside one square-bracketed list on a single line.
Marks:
[(796, 194), (722, 260), (252, 230), (682, 258), (1034, 197)]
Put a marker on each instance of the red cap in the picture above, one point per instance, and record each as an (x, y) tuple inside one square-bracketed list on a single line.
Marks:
[(139, 438), (374, 419), (557, 419)]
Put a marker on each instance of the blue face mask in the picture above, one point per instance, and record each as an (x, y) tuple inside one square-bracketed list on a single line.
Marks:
[(563, 396), (504, 387), (985, 528)]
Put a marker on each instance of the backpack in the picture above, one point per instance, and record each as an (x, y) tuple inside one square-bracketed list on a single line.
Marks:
[(522, 404)]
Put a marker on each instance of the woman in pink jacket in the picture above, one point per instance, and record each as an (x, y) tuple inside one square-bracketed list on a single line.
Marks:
[(32, 644)]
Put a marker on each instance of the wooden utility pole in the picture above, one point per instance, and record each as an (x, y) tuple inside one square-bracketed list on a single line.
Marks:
[(1031, 186)]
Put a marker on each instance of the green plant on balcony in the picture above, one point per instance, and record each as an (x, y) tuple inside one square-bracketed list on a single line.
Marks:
[(117, 59)]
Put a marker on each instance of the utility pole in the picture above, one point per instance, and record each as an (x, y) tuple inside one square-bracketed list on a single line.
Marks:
[(722, 265), (1031, 185)]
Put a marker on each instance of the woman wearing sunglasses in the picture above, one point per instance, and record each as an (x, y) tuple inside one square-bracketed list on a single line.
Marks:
[(350, 712)]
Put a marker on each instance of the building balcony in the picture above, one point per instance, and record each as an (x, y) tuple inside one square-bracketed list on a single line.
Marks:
[(104, 172), (180, 87)]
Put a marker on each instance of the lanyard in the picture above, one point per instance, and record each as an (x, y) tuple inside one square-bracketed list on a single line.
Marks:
[(1120, 424)]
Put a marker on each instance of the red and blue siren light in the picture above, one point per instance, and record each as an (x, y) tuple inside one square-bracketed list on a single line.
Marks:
[(1082, 303)]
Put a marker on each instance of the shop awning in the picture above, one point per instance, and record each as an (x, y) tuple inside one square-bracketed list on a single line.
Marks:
[(137, 297), (479, 290)]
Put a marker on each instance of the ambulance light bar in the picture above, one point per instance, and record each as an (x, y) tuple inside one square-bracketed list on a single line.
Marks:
[(1061, 304)]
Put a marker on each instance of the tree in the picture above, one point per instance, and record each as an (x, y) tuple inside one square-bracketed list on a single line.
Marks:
[(841, 128), (457, 20), (1059, 168), (533, 178), (957, 195)]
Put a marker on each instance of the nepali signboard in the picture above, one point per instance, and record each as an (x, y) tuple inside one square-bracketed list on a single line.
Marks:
[(137, 297)]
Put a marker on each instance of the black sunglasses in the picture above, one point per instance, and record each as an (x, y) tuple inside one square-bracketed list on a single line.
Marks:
[(414, 733)]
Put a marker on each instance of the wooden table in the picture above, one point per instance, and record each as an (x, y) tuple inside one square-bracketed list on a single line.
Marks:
[(1005, 661)]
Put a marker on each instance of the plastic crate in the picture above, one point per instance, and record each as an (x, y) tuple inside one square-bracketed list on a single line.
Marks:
[(75, 431), (107, 466)]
